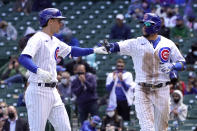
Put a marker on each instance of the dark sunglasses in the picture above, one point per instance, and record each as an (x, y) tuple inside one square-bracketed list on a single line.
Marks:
[(120, 66)]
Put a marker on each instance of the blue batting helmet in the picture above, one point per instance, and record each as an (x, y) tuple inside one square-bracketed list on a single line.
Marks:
[(49, 13), (152, 23)]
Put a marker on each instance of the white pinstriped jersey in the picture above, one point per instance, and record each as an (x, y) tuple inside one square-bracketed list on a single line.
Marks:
[(44, 51), (147, 60)]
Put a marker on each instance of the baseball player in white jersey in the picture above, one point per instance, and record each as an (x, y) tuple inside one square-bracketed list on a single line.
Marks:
[(155, 58), (39, 57)]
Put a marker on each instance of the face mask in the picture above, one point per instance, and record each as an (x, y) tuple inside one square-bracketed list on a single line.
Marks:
[(64, 81), (195, 53), (11, 115), (1, 115), (176, 101), (111, 113)]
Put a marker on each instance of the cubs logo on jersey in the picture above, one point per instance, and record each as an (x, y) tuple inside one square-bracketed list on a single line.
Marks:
[(56, 53), (164, 54)]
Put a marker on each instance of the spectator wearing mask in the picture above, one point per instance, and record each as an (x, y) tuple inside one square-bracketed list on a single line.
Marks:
[(78, 60), (118, 84), (191, 57), (180, 30), (7, 30), (13, 73), (14, 123), (120, 30), (64, 87), (112, 121), (67, 37), (170, 19), (23, 6), (84, 87), (178, 110), (164, 31), (90, 125)]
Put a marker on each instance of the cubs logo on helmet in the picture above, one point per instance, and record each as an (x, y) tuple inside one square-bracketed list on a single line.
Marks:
[(164, 54)]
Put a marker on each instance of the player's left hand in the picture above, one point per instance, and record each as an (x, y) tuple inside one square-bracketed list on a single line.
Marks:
[(100, 50), (166, 67)]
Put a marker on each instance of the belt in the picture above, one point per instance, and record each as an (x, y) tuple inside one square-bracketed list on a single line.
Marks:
[(152, 85), (52, 85)]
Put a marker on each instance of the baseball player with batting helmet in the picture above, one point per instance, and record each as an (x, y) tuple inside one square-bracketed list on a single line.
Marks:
[(155, 58), (39, 57)]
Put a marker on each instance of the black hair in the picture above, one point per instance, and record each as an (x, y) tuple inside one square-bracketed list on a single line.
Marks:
[(23, 41)]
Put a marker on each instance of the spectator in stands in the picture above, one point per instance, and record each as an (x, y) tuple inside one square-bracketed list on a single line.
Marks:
[(164, 31), (178, 110), (161, 11), (90, 125), (60, 70), (66, 36), (7, 30), (23, 41), (118, 84), (78, 60), (191, 57), (4, 107), (39, 5), (120, 30), (84, 87), (29, 30), (191, 88), (13, 73), (112, 121), (14, 123), (21, 98), (64, 87), (145, 7), (180, 30), (23, 6), (3, 117), (190, 21), (135, 4), (170, 19)]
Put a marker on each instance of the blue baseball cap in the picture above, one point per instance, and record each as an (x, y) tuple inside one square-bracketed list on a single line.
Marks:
[(111, 108), (96, 119)]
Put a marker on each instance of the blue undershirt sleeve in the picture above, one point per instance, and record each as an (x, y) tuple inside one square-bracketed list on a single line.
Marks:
[(27, 62), (114, 47), (180, 66), (77, 51)]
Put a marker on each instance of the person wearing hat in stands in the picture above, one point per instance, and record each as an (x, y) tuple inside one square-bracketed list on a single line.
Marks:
[(90, 125), (112, 121), (180, 30), (178, 110), (120, 30)]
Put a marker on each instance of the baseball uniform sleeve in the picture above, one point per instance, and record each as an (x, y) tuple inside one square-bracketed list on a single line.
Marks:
[(64, 49), (127, 47), (175, 54), (32, 46)]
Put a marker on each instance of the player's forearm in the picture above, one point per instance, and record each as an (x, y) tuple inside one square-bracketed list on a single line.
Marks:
[(27, 62), (77, 51)]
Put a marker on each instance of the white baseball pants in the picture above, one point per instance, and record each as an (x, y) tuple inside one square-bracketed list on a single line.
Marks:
[(45, 103), (152, 108)]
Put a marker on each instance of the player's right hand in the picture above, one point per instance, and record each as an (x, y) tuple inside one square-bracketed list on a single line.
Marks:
[(100, 50), (44, 75)]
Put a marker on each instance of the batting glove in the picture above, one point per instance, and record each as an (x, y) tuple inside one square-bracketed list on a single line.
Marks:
[(166, 67), (100, 50), (44, 75)]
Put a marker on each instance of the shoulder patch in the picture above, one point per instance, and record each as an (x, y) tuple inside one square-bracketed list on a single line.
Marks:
[(56, 53)]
